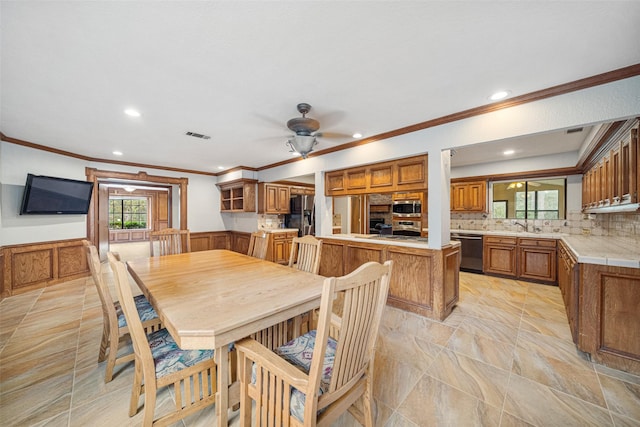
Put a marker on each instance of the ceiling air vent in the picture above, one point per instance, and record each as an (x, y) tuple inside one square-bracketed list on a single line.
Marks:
[(574, 130), (198, 135)]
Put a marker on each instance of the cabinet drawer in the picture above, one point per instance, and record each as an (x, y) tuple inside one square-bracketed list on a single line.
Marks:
[(504, 240), (539, 243)]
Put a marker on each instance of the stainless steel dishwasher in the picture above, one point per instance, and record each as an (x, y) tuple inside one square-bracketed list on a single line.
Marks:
[(471, 251)]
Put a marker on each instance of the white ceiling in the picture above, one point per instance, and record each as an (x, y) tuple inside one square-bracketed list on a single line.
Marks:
[(236, 70)]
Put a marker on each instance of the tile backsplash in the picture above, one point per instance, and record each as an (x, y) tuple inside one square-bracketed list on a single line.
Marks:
[(611, 224)]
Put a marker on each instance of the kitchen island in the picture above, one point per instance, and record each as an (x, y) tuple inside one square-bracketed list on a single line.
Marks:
[(424, 281)]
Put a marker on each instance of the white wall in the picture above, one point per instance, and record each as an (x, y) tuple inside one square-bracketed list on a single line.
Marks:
[(16, 161)]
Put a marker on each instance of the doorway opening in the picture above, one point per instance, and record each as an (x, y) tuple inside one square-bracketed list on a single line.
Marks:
[(126, 207)]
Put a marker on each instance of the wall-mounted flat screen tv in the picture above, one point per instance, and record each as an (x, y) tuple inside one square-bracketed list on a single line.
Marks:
[(46, 195)]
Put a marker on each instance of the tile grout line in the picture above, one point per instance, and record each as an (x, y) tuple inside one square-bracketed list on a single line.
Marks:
[(35, 300), (75, 364)]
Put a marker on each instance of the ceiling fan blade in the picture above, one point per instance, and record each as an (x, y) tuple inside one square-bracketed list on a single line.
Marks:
[(330, 119), (333, 135)]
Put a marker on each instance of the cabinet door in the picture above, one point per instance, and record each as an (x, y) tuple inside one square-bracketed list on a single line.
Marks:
[(334, 183), (283, 200), (458, 192), (477, 195), (280, 251), (537, 263), (356, 180), (499, 259), (411, 173), (271, 199), (381, 177)]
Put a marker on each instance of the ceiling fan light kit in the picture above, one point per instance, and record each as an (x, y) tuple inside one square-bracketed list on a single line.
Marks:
[(304, 128)]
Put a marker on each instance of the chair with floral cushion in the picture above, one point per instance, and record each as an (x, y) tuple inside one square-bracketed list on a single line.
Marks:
[(114, 329), (169, 241), (313, 379), (159, 362)]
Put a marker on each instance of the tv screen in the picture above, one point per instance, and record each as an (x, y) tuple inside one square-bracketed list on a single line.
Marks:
[(47, 195)]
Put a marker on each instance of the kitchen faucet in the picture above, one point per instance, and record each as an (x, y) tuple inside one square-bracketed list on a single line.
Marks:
[(524, 226)]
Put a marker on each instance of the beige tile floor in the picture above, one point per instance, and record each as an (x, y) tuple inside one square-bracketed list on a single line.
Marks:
[(503, 358)]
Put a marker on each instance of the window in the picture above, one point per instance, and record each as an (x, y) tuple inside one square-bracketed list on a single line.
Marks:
[(500, 209), (535, 199), (125, 213)]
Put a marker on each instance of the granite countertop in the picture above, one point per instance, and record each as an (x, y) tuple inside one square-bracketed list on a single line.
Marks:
[(614, 251), (603, 250)]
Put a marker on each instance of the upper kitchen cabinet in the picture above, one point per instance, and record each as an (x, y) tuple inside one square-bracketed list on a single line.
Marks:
[(273, 198), (385, 177), (612, 181), (238, 195), (469, 196)]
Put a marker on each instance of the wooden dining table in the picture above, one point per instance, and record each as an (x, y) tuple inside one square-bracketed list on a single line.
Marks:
[(210, 299)]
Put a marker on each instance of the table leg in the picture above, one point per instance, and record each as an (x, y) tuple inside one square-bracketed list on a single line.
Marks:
[(222, 396)]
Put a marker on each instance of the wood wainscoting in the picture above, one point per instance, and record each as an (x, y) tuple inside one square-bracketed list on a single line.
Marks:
[(36, 265), (207, 240)]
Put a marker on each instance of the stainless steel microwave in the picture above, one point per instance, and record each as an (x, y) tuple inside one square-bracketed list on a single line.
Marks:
[(407, 208)]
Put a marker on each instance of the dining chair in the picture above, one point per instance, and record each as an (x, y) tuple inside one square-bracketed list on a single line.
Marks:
[(305, 254), (114, 326), (313, 379), (169, 242), (159, 362), (258, 244)]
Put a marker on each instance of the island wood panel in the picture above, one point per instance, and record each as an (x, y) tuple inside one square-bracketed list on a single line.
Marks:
[(204, 241), (3, 292), (451, 279), (609, 317), (36, 265), (357, 254), (332, 259), (409, 268), (424, 281)]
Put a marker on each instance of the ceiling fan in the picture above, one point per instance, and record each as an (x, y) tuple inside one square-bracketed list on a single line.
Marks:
[(305, 131)]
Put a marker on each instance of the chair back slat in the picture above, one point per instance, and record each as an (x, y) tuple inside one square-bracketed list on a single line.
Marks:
[(305, 254), (169, 241), (258, 245)]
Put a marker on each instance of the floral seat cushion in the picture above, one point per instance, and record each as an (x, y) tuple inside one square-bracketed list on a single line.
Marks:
[(299, 352), (145, 310), (170, 358)]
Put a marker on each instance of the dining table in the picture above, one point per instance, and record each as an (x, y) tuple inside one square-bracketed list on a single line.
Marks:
[(210, 299)]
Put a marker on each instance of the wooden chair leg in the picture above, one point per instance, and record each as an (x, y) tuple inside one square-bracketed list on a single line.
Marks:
[(104, 344), (136, 390), (114, 345), (245, 402)]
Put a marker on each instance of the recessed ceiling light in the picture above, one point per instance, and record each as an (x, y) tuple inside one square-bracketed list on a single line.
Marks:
[(131, 112), (500, 95), (508, 152), (117, 153), (357, 135), (220, 167)]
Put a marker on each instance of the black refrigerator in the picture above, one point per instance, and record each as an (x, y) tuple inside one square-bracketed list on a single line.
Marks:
[(302, 214)]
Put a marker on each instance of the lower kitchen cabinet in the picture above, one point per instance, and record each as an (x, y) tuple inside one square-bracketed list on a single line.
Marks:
[(520, 257), (609, 319), (500, 255), (280, 246), (568, 283), (537, 259)]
